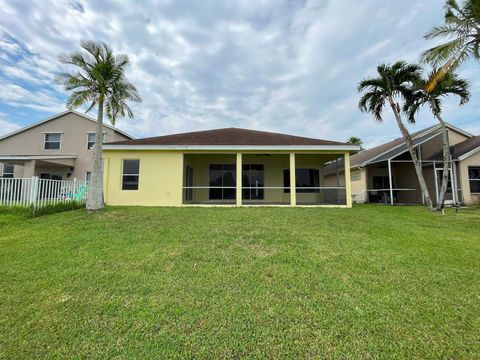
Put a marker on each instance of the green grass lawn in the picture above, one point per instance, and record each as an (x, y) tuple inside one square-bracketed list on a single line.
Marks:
[(367, 282)]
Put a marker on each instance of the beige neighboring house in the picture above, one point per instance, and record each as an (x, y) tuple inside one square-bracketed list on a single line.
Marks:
[(59, 148), (385, 173)]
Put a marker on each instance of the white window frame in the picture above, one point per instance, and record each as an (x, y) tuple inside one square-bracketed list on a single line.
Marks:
[(469, 180), (94, 133), (4, 165), (123, 175), (52, 133)]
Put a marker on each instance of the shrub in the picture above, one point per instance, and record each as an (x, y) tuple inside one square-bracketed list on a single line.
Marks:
[(12, 212)]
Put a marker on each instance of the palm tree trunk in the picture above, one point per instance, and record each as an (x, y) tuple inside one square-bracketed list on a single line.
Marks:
[(446, 156), (413, 154), (95, 190)]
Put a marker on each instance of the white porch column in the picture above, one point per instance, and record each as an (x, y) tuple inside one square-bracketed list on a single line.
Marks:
[(239, 179), (436, 180), (348, 183), (456, 198), (390, 181), (293, 179)]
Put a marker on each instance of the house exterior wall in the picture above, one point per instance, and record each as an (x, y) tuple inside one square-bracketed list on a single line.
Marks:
[(454, 137), (160, 178), (468, 197), (74, 129), (358, 179), (161, 175)]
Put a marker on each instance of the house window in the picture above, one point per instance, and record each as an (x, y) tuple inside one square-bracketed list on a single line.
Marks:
[(88, 176), (307, 180), (91, 140), (222, 181), (52, 141), (8, 170), (130, 174), (355, 176), (474, 179)]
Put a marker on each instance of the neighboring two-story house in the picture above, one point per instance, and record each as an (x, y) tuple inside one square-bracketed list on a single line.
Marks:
[(59, 147)]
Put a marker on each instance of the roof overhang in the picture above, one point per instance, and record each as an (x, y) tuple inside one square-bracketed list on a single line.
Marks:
[(63, 160), (470, 153), (235, 147), (36, 157)]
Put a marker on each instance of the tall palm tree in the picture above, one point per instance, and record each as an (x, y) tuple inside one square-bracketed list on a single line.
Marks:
[(462, 33), (450, 84), (393, 83), (98, 80)]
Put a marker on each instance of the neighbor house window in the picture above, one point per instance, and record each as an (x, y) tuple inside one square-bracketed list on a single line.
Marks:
[(88, 176), (8, 170), (307, 180), (474, 179), (91, 140), (52, 141), (130, 174), (355, 176)]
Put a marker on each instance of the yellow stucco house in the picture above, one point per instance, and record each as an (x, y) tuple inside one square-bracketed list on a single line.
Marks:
[(232, 167)]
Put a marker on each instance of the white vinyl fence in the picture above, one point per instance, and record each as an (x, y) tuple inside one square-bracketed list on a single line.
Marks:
[(38, 192)]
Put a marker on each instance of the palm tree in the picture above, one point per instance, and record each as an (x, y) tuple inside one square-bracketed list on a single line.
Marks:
[(353, 140), (98, 80), (394, 82), (450, 84), (462, 31)]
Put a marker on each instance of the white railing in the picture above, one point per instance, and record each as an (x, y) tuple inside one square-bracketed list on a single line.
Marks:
[(38, 192)]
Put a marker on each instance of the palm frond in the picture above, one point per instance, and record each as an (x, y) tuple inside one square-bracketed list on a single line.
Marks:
[(100, 74)]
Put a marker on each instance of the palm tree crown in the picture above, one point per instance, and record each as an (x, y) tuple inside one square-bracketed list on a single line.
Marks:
[(100, 78), (462, 33), (394, 81), (450, 84)]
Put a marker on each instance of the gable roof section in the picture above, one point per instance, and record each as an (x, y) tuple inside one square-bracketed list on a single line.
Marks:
[(391, 149), (461, 150), (57, 116), (227, 137), (397, 146)]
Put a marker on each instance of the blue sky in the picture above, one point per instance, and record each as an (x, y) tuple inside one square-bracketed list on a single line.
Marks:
[(287, 66)]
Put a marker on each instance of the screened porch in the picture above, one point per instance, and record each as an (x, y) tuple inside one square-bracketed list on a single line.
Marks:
[(261, 179)]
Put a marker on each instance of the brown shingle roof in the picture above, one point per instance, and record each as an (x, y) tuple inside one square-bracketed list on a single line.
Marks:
[(227, 136), (460, 148)]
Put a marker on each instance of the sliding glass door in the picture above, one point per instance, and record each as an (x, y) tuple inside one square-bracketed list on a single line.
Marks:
[(252, 182), (222, 181)]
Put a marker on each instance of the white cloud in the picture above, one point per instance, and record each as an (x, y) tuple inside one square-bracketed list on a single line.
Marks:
[(287, 66), (7, 126)]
